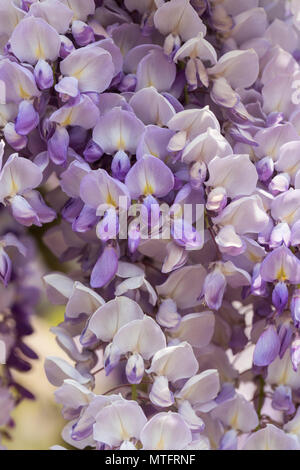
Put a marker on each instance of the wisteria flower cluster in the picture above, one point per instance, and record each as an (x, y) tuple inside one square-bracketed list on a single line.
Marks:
[(160, 142)]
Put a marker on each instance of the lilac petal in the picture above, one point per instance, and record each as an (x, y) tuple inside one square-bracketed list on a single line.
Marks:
[(295, 308), (85, 220), (135, 369), (149, 176), (229, 440), (279, 184), (295, 234), (118, 130), (111, 358), (281, 234), (154, 141), (72, 177), (92, 66), (178, 17), (98, 188), (5, 267), (280, 296), (115, 52), (152, 107), (295, 354), (227, 392), (194, 122), (81, 112), (66, 47), (18, 175), (68, 86), (282, 265), (134, 237), (34, 39), (71, 209), (282, 399), (239, 68), (105, 268), (19, 82), (286, 335), (267, 347), (214, 288), (23, 212), (44, 213), (27, 119), (43, 75), (92, 152), (54, 12), (58, 146), (120, 165), (82, 33), (16, 141), (186, 235), (160, 394), (81, 10), (166, 431), (108, 227), (223, 95), (167, 315), (12, 240), (128, 83), (155, 70)]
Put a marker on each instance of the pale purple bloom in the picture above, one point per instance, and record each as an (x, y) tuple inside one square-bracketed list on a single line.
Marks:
[(267, 347)]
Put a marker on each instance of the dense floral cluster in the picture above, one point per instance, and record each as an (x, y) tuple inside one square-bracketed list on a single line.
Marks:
[(118, 118)]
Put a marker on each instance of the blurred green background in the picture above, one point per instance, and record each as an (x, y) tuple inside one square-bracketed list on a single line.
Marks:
[(39, 422)]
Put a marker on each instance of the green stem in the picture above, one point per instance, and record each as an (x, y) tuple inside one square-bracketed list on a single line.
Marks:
[(134, 394), (186, 95)]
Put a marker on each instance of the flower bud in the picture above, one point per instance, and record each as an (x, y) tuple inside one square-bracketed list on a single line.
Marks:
[(27, 119), (295, 354), (265, 168), (120, 165), (167, 315), (82, 33), (216, 200), (43, 75), (280, 296), (92, 152), (111, 358), (135, 369), (66, 47), (295, 308)]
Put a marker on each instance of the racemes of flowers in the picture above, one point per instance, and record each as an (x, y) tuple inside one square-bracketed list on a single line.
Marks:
[(188, 339)]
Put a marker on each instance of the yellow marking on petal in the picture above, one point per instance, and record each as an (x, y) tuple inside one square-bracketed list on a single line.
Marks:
[(121, 143), (110, 200), (68, 120), (160, 444), (78, 74), (14, 187), (23, 94), (289, 218), (254, 258), (39, 52), (148, 189), (234, 420), (281, 275)]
